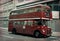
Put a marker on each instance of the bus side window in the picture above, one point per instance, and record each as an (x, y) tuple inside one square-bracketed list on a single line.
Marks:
[(38, 22), (35, 23), (30, 23), (38, 9), (16, 23), (25, 23), (21, 22)]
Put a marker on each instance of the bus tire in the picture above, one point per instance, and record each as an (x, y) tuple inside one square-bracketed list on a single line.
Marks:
[(13, 31), (37, 34)]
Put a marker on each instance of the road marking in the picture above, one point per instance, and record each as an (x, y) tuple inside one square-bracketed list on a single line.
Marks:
[(5, 28), (7, 36), (52, 37)]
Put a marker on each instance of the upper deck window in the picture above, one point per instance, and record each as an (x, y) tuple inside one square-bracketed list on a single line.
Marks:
[(46, 10), (25, 11), (30, 10)]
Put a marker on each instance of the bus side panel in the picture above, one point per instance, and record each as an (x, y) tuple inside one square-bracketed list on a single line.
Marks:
[(19, 28), (30, 29), (10, 26)]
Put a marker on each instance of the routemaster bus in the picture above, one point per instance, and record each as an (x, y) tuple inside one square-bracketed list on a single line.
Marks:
[(32, 21)]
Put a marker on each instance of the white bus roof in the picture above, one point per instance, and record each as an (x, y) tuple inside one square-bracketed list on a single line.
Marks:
[(29, 7)]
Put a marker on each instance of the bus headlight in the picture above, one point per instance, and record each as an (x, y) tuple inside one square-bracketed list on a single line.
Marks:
[(43, 30)]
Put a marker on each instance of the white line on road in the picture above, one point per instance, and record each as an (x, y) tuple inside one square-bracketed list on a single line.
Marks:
[(52, 37), (7, 36), (4, 28)]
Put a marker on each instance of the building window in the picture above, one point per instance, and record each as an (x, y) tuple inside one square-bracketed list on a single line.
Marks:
[(20, 0), (56, 7)]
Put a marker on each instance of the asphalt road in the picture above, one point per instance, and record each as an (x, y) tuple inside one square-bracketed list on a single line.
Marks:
[(6, 36)]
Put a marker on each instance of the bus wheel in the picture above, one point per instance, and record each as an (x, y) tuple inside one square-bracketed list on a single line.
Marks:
[(14, 31), (37, 34)]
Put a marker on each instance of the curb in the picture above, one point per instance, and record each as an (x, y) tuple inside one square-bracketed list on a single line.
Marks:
[(56, 34)]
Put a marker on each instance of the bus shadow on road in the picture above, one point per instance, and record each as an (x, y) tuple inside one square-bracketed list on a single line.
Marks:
[(27, 35)]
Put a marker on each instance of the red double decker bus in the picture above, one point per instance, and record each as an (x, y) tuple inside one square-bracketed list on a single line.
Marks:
[(32, 21)]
